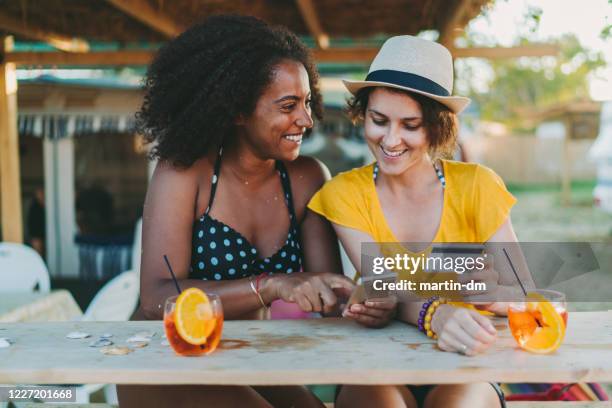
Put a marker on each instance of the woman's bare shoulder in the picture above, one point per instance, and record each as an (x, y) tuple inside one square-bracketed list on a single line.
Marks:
[(181, 186), (166, 171), (307, 176)]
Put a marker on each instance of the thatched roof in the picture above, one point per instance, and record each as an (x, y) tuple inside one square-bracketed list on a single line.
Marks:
[(126, 32), (127, 21)]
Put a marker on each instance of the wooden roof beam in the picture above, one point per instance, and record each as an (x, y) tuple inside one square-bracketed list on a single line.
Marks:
[(102, 58), (356, 55), (311, 18), (531, 50), (59, 41), (142, 11), (366, 55)]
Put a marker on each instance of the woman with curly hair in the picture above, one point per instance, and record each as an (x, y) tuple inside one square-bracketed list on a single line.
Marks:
[(227, 104)]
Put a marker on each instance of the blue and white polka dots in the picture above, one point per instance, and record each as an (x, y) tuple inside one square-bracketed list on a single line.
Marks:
[(220, 253)]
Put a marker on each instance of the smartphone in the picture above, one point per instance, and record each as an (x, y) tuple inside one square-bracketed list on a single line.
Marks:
[(442, 253), (358, 296)]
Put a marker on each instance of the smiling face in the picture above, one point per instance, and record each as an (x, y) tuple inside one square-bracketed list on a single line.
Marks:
[(394, 131), (282, 114)]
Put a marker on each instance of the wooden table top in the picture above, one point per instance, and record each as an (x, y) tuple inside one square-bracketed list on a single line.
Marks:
[(314, 351)]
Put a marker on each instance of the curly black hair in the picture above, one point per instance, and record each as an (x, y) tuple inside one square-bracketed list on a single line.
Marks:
[(200, 82)]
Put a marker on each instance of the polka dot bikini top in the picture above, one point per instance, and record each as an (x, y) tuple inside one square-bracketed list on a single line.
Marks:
[(219, 252)]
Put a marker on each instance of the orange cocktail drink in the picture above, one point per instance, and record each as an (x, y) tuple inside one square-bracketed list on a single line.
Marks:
[(538, 323), (193, 322)]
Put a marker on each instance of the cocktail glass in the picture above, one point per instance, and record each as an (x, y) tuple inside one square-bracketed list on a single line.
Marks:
[(525, 321), (214, 312)]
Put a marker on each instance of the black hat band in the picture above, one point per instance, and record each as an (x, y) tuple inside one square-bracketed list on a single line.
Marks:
[(407, 80)]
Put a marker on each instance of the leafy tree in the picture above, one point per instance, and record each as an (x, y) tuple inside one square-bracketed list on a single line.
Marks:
[(519, 86)]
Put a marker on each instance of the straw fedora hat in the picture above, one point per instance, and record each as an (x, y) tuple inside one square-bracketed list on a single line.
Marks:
[(416, 65)]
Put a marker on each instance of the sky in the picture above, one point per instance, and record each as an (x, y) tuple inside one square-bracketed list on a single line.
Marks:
[(505, 22)]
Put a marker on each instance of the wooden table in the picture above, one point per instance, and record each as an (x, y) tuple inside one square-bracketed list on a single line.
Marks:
[(58, 305), (315, 351)]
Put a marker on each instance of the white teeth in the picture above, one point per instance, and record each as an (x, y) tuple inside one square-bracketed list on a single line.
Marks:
[(294, 138), (393, 154)]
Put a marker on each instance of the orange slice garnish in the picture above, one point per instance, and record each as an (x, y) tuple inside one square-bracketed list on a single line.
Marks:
[(543, 328), (193, 316)]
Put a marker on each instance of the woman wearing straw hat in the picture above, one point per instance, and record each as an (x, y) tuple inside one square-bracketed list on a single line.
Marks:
[(410, 194)]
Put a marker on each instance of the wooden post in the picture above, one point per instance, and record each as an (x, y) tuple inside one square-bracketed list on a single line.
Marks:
[(11, 222)]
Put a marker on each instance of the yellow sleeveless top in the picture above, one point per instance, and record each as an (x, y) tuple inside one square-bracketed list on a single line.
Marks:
[(476, 203)]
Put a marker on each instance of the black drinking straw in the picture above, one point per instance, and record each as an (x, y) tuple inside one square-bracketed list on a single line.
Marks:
[(178, 288), (513, 270)]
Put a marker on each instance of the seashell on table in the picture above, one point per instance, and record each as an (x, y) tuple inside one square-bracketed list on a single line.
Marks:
[(148, 334), (138, 339), (78, 335), (115, 350), (102, 342)]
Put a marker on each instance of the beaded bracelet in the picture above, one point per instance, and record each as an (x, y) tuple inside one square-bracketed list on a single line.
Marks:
[(425, 315)]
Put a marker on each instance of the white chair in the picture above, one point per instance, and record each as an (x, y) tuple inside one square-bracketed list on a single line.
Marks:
[(22, 269), (116, 301)]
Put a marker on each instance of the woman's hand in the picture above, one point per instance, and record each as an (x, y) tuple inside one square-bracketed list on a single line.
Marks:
[(462, 330), (375, 313), (498, 308), (313, 292)]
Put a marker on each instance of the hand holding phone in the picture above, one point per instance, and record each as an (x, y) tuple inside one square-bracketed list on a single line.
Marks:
[(373, 312), (358, 296)]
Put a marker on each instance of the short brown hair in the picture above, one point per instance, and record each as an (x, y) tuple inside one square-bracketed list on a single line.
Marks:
[(439, 121)]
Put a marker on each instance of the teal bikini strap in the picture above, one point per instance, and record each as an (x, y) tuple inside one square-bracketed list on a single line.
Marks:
[(435, 166)]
